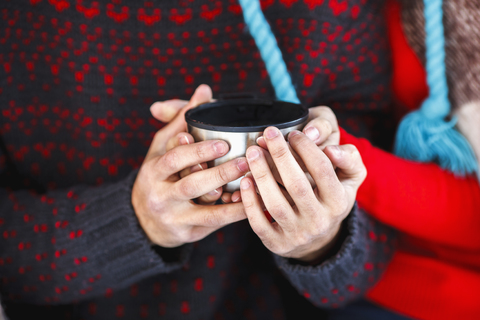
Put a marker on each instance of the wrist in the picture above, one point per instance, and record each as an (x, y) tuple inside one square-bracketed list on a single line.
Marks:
[(328, 250)]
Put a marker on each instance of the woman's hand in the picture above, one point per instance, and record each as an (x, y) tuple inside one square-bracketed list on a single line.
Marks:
[(306, 221)]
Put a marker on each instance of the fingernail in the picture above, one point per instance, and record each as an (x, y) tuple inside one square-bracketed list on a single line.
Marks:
[(252, 154), (196, 168), (214, 192), (184, 140), (293, 133), (242, 165), (245, 184), (312, 133), (250, 175), (236, 198), (271, 133), (260, 140), (220, 147)]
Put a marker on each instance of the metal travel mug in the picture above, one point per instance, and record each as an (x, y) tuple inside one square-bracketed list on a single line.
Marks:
[(240, 122)]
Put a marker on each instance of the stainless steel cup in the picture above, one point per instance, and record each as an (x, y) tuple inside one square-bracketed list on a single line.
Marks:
[(240, 122)]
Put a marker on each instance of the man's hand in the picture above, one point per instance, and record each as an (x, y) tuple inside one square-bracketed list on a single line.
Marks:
[(306, 218), (162, 197)]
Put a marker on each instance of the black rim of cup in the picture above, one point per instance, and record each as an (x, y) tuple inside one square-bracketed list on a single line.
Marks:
[(246, 115)]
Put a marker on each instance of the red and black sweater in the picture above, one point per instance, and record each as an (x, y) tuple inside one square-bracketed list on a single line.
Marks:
[(77, 79), (435, 271)]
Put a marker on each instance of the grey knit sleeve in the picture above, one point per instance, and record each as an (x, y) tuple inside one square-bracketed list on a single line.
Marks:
[(366, 249)]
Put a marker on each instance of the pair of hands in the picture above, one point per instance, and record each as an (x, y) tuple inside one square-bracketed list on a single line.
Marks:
[(307, 208)]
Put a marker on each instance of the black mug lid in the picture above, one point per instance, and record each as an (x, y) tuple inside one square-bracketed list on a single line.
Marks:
[(246, 115)]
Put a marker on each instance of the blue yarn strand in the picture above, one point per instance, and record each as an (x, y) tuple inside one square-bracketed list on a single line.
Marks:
[(424, 135), (269, 51), (435, 61)]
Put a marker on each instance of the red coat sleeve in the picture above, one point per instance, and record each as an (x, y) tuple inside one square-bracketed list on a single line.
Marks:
[(420, 199)]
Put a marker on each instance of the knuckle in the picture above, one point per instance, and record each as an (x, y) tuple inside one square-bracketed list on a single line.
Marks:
[(200, 150), (328, 114), (168, 220), (363, 174), (299, 189), (280, 153), (222, 174), (261, 177), (299, 141), (187, 187), (302, 239), (278, 211), (327, 126), (322, 169), (319, 227), (169, 160), (154, 204), (248, 204), (204, 151)]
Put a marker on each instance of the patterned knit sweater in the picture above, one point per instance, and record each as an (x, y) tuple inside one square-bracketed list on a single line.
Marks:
[(77, 78)]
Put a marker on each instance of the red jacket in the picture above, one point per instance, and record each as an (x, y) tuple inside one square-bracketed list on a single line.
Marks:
[(436, 272)]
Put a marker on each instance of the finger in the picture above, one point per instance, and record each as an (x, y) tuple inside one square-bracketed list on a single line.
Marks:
[(203, 182), (184, 138), (350, 168), (166, 111), (269, 190), (236, 196), (322, 126), (226, 197), (195, 168), (186, 156), (211, 197), (214, 216), (294, 178), (318, 165), (205, 219), (254, 211), (180, 139), (262, 143)]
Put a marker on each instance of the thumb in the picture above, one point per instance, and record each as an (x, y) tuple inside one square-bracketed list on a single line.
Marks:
[(201, 95), (166, 111)]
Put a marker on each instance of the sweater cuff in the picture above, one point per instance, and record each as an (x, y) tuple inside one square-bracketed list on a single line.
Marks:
[(347, 275), (120, 249)]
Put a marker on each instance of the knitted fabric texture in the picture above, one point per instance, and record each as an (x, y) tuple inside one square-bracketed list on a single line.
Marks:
[(462, 48), (77, 79), (425, 135)]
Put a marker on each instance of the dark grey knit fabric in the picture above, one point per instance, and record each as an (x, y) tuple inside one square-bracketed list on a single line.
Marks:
[(77, 79)]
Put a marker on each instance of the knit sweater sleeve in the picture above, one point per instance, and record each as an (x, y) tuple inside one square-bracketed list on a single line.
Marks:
[(73, 244), (420, 199), (350, 272)]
